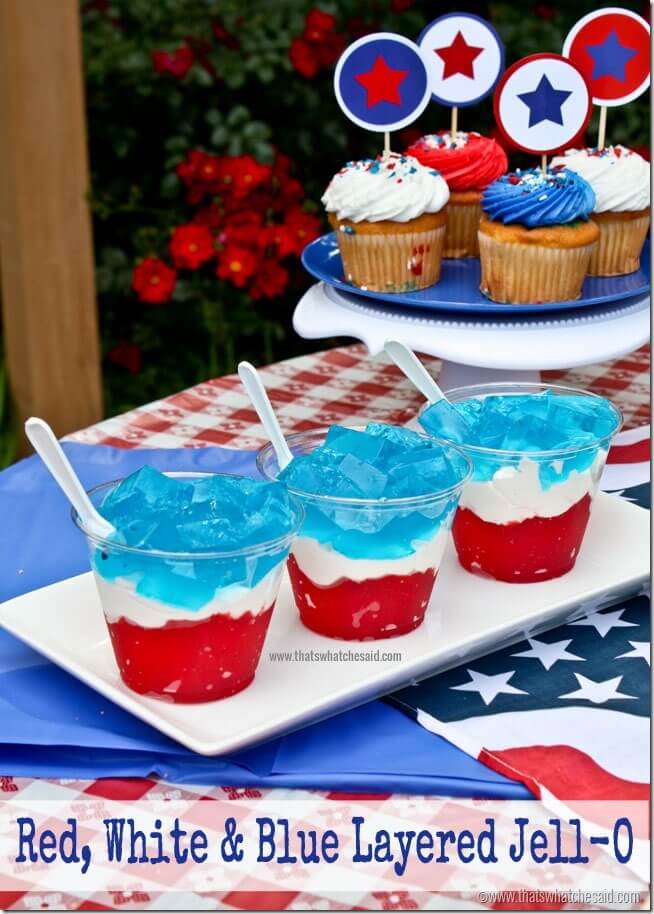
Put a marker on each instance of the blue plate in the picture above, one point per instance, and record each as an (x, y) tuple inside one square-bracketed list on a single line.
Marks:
[(458, 287)]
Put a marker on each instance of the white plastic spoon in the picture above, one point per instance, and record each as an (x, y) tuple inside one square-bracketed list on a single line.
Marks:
[(49, 450), (263, 407), (409, 363), (442, 415)]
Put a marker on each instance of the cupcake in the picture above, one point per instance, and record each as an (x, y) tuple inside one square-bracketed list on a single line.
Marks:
[(469, 162), (389, 215), (536, 237), (620, 179)]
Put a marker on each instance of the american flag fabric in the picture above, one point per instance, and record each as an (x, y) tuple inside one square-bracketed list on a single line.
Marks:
[(565, 712)]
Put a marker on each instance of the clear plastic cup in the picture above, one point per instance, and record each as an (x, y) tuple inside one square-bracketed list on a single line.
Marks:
[(523, 514), (178, 631), (364, 569)]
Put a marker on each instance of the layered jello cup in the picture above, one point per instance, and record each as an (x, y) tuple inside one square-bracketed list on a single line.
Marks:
[(538, 453), (364, 567), (188, 624)]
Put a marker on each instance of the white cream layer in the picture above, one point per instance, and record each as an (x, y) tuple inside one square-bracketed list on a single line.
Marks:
[(120, 601), (324, 566), (515, 494)]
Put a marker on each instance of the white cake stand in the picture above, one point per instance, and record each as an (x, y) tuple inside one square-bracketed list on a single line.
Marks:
[(478, 348)]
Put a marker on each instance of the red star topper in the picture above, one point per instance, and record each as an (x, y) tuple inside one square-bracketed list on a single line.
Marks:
[(382, 83), (458, 57)]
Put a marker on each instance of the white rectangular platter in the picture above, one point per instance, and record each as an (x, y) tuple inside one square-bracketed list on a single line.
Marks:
[(469, 616)]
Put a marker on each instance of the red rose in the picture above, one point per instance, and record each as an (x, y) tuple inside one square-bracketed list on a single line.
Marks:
[(177, 64), (319, 45), (153, 281), (242, 227), (278, 237), (200, 172), (191, 246), (290, 193), (127, 356), (210, 215), (270, 279), (300, 228), (318, 21), (281, 165), (330, 49), (303, 57), (237, 264), (239, 175)]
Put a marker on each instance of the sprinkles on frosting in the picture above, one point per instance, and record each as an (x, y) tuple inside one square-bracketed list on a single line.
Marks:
[(394, 166), (446, 140)]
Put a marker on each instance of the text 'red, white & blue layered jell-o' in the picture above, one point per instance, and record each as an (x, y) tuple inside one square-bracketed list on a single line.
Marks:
[(189, 581), (379, 504), (538, 455)]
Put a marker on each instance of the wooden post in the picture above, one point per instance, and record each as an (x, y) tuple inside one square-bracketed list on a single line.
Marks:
[(50, 325)]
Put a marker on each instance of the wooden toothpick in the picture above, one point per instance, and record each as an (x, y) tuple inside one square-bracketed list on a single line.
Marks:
[(601, 132), (454, 123)]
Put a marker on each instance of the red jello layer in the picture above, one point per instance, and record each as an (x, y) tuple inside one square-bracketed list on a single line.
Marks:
[(536, 549), (362, 610), (186, 662)]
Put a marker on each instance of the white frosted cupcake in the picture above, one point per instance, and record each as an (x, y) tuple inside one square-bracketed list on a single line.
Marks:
[(390, 216), (620, 179)]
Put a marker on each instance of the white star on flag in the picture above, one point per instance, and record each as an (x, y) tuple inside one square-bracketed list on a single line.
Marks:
[(604, 622), (489, 687), (548, 654), (597, 692), (640, 649)]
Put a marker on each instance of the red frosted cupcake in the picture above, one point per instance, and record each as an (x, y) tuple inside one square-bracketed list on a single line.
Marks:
[(469, 162)]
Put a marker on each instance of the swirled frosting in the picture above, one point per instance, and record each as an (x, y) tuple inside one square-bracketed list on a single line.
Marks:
[(467, 161), (394, 187), (534, 199), (619, 177)]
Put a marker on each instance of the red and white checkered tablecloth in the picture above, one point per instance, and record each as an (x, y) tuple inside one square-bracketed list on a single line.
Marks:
[(341, 385)]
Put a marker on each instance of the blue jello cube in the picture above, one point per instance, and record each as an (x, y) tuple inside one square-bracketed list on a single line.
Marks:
[(367, 479), (341, 440), (443, 420), (402, 438)]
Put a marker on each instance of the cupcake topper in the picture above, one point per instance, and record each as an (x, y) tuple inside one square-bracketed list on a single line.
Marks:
[(542, 104), (381, 83), (611, 48), (464, 57)]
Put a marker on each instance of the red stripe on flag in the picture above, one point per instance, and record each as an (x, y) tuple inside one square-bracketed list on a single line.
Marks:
[(638, 452), (568, 773)]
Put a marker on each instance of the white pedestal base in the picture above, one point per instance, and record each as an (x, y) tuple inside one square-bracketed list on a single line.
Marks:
[(476, 349)]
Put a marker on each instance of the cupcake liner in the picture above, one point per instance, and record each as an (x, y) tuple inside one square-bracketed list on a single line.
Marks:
[(620, 244), (523, 273), (461, 238), (392, 263)]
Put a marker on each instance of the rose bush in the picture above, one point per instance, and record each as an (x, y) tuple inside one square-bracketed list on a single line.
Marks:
[(213, 130)]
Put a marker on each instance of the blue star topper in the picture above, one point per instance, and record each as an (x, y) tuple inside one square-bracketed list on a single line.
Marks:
[(545, 102), (610, 57)]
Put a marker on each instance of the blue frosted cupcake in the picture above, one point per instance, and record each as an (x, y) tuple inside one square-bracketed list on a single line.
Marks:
[(536, 237)]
